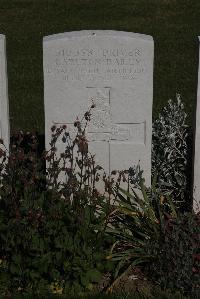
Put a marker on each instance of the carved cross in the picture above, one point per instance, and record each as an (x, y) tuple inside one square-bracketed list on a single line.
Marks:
[(103, 131), (102, 126)]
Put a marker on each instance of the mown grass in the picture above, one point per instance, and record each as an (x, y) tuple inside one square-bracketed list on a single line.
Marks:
[(174, 25), (104, 296)]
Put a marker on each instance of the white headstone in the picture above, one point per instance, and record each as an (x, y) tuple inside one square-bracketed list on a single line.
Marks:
[(196, 188), (4, 117), (114, 70)]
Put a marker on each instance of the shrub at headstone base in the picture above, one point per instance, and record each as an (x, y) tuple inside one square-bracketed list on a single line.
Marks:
[(177, 254), (152, 234), (170, 152), (52, 238)]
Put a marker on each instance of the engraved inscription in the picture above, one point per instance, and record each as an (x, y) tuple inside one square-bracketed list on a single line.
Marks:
[(102, 127), (101, 121), (90, 64), (134, 133)]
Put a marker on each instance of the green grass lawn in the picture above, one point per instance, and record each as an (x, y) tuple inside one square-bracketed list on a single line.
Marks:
[(113, 296), (174, 25)]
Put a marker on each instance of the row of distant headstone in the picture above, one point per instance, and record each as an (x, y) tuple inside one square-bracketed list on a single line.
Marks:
[(113, 70)]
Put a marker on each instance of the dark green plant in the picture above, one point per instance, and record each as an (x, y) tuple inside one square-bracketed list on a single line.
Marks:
[(150, 232), (52, 233), (138, 217), (177, 252), (170, 150)]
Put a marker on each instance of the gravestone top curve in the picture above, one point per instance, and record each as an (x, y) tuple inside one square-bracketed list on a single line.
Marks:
[(93, 33)]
